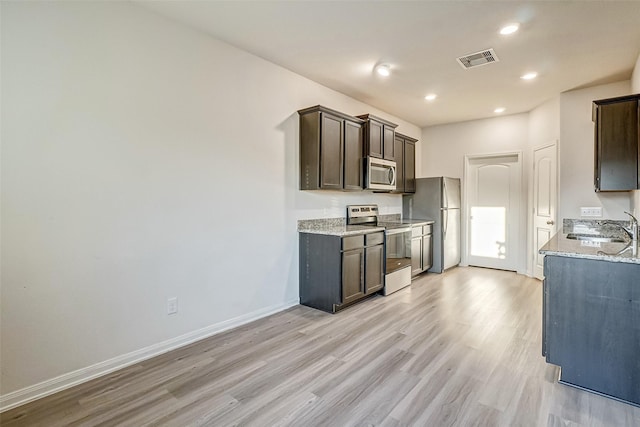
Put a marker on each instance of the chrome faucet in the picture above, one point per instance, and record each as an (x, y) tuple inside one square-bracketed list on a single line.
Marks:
[(633, 226)]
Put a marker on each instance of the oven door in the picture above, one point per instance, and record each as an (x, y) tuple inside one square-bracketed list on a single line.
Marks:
[(381, 174), (398, 249)]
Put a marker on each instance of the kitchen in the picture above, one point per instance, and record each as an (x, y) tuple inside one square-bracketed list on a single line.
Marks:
[(143, 223)]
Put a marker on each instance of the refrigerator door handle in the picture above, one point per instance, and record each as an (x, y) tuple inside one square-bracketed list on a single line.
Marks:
[(444, 193), (445, 215)]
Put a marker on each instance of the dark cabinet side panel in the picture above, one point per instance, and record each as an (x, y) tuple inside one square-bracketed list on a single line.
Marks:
[(353, 151), (310, 151), (320, 266), (331, 152)]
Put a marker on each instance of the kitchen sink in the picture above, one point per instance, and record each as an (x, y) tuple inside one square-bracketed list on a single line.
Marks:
[(594, 238)]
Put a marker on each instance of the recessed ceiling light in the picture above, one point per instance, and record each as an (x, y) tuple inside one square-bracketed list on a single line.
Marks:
[(499, 110), (529, 76), (383, 70), (509, 29), (431, 97)]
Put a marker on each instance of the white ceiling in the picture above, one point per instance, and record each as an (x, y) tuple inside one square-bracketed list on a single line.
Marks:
[(570, 44)]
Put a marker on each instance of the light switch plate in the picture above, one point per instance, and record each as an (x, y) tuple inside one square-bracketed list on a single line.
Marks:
[(595, 212)]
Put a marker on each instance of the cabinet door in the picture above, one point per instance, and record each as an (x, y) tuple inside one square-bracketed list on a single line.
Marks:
[(388, 143), (617, 146), (409, 167), (352, 275), (398, 150), (416, 256), (352, 156), (427, 252), (373, 276), (331, 152), (374, 139)]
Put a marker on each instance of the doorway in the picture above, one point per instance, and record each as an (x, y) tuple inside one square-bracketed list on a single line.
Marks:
[(493, 193), (545, 197)]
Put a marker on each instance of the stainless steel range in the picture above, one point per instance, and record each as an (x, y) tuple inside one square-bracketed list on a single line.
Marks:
[(397, 270)]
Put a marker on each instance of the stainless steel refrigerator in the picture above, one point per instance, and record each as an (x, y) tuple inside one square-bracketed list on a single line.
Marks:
[(438, 199)]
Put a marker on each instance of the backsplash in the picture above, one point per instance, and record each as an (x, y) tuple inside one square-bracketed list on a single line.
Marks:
[(601, 227)]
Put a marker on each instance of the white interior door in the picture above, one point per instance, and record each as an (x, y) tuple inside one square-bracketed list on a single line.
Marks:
[(545, 195), (493, 211)]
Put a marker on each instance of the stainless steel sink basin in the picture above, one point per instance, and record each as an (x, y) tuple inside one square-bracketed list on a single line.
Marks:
[(592, 238)]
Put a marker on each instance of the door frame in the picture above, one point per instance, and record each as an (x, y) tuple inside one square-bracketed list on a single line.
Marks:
[(465, 206), (531, 267)]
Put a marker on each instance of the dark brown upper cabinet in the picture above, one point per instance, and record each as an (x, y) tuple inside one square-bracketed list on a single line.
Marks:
[(405, 150), (379, 137), (617, 143), (331, 150)]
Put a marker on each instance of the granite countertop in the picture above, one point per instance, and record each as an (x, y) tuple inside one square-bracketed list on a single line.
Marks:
[(339, 227), (411, 222), (334, 227), (559, 245), (342, 230)]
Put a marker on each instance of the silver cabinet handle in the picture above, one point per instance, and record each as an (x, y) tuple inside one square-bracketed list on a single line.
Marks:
[(550, 222)]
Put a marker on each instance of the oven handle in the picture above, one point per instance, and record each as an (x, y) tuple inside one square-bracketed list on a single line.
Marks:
[(397, 231)]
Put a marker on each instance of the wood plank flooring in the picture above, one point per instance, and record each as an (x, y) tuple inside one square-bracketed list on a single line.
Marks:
[(457, 349)]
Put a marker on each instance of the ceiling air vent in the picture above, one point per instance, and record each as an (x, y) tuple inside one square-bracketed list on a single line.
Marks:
[(477, 59)]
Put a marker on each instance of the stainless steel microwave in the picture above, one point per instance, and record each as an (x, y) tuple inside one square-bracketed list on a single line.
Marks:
[(380, 174)]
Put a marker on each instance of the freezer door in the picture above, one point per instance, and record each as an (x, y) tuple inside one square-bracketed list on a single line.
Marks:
[(451, 193), (450, 238)]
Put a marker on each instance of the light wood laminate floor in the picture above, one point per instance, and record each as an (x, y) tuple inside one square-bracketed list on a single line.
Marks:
[(461, 348)]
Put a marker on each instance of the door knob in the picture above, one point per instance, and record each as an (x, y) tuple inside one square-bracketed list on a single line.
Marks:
[(550, 222)]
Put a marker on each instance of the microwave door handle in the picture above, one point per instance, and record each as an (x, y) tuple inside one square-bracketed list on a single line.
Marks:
[(392, 176)]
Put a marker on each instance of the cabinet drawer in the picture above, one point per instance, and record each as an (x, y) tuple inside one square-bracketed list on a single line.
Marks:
[(416, 231), (427, 229), (374, 239), (352, 242)]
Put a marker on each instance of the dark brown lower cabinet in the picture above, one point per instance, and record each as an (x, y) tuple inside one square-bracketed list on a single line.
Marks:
[(374, 275), (591, 318), (336, 272), (352, 272), (421, 249)]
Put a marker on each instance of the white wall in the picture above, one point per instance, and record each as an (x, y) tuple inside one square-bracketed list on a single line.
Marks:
[(544, 128), (544, 123), (635, 77), (444, 148), (576, 153), (135, 154)]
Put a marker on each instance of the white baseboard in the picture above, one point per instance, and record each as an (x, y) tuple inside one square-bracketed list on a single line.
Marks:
[(70, 379)]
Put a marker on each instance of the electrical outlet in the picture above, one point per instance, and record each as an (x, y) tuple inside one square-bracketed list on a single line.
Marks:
[(595, 212), (172, 305)]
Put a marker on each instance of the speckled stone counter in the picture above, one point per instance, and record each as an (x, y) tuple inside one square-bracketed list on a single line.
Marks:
[(413, 222), (614, 252), (334, 227), (339, 227)]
